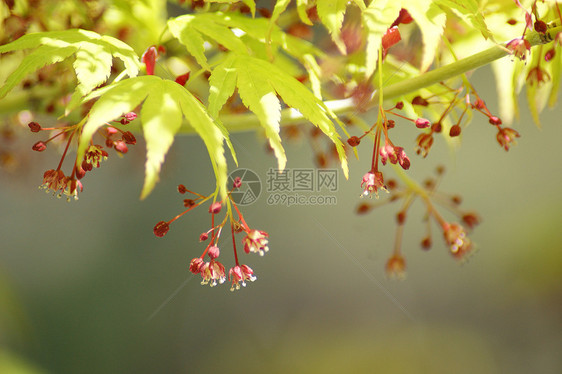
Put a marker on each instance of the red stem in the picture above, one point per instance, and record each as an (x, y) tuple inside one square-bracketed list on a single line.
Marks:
[(66, 149), (234, 244)]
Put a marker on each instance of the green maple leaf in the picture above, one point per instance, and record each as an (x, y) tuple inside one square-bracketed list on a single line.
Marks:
[(259, 82), (431, 22), (331, 13), (94, 54), (468, 10), (377, 18), (164, 106), (250, 3), (191, 31)]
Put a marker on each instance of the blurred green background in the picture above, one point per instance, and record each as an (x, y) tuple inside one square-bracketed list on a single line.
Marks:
[(85, 287)]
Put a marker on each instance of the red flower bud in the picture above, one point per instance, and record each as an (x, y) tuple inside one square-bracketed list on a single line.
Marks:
[(455, 131), (161, 229), (480, 104), (422, 123), (353, 141), (129, 138), (121, 146), (34, 126), (39, 146), (214, 252), (149, 59), (540, 26), (418, 100), (182, 79), (128, 117), (215, 207)]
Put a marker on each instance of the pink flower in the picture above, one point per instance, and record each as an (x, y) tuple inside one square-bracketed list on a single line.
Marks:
[(506, 137), (537, 76), (53, 180), (215, 207), (214, 252), (196, 265), (256, 241), (388, 153), (212, 272), (394, 155), (71, 188), (240, 274), (403, 159), (128, 117), (519, 48), (95, 155), (396, 266), (422, 123), (457, 240), (423, 144), (372, 182)]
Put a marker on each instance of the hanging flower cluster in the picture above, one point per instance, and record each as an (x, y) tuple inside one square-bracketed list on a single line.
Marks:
[(207, 265), (55, 180), (454, 233)]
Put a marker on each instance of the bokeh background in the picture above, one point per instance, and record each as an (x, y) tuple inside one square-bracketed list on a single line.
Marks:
[(85, 287)]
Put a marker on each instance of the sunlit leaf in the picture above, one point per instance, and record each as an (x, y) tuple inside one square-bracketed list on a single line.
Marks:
[(377, 18), (301, 10), (331, 14), (431, 21), (93, 52), (165, 104), (259, 82), (469, 10), (189, 30), (190, 38), (259, 97)]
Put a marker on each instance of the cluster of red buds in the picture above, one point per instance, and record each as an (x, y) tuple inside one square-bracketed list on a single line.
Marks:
[(54, 180), (373, 180), (506, 135), (213, 271), (454, 233), (470, 100), (521, 48)]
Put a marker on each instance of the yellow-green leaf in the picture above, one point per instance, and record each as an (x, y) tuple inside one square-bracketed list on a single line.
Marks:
[(190, 38), (93, 57), (470, 11), (258, 95), (377, 19), (302, 6), (431, 21), (165, 105), (331, 13), (188, 29)]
